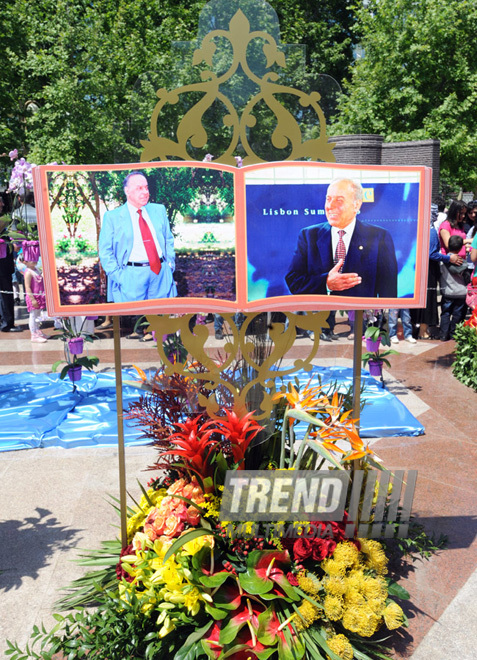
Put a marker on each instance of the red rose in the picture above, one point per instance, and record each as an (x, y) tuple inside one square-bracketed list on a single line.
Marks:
[(323, 548), (302, 549)]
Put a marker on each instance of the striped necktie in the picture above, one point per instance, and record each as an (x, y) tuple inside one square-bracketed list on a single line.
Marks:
[(340, 252)]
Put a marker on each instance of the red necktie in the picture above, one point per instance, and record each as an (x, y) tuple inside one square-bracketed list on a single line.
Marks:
[(148, 240), (340, 252)]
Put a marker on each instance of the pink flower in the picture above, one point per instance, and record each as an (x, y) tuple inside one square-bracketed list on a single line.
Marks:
[(13, 154), (173, 526)]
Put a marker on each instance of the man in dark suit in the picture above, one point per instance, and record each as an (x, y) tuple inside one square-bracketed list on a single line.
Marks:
[(136, 246), (344, 256)]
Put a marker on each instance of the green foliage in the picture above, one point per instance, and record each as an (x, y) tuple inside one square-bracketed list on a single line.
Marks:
[(80, 244), (419, 543), (465, 365), (79, 79), (418, 79), (117, 629)]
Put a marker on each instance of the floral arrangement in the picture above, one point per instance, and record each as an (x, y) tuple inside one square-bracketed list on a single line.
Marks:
[(197, 587), (465, 365)]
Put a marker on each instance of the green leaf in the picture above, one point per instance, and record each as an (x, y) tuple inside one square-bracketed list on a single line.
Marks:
[(395, 589), (215, 612), (254, 584), (185, 538), (215, 580)]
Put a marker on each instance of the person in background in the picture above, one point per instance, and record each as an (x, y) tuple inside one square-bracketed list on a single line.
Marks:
[(7, 268), (406, 325), (35, 301), (441, 213), (455, 226), (26, 211), (219, 324), (454, 280)]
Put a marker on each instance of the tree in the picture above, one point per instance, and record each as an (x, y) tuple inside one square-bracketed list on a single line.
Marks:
[(75, 72), (418, 79)]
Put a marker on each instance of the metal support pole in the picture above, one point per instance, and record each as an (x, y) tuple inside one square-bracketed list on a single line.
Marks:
[(357, 352), (119, 412)]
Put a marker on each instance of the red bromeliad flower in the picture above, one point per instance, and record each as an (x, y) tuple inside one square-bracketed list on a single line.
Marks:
[(239, 431), (194, 445)]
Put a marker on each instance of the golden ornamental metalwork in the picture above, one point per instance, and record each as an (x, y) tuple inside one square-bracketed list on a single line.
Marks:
[(287, 134), (256, 394)]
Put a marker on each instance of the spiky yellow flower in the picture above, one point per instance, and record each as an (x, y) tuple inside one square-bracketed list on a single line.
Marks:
[(355, 580), (374, 556), (335, 585), (346, 553), (333, 606), (393, 616), (333, 567), (374, 588), (340, 645), (308, 583), (309, 613), (361, 620)]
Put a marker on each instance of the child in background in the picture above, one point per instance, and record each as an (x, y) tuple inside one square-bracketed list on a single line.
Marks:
[(453, 283), (35, 300)]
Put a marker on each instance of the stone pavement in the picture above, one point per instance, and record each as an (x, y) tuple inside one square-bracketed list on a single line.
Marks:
[(53, 502)]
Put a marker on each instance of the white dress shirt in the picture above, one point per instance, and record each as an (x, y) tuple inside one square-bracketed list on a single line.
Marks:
[(138, 251), (349, 229)]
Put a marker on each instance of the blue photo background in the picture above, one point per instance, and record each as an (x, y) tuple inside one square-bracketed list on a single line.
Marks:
[(277, 212)]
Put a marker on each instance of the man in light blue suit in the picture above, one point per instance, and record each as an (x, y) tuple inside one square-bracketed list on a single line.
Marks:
[(136, 246)]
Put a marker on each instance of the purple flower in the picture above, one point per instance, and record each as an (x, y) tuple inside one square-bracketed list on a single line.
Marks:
[(208, 158), (13, 154), (238, 160)]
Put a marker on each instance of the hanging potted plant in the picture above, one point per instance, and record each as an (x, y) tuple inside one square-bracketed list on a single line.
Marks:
[(375, 360), (375, 336), (73, 336)]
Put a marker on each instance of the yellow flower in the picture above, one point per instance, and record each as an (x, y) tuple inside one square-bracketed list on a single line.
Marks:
[(309, 612), (167, 627), (361, 620), (333, 567), (212, 504), (308, 583), (335, 585), (192, 547), (333, 606), (347, 554), (192, 601), (340, 645), (374, 588), (355, 580), (375, 557), (393, 616)]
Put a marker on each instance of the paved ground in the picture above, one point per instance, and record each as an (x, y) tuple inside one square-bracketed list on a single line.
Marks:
[(53, 501)]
